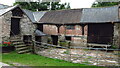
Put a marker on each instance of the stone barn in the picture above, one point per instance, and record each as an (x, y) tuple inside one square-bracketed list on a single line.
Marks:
[(16, 27), (14, 22)]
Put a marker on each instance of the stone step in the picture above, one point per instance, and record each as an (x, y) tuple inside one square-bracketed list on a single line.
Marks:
[(22, 48), (28, 41), (18, 43), (19, 46), (24, 51), (15, 37), (15, 40)]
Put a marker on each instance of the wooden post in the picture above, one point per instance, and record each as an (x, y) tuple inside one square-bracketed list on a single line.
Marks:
[(58, 29), (82, 25)]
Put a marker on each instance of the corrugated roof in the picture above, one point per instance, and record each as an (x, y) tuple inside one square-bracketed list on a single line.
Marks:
[(39, 33), (100, 15), (3, 6), (3, 11), (70, 16)]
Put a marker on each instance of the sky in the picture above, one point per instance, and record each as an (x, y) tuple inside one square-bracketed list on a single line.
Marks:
[(73, 3)]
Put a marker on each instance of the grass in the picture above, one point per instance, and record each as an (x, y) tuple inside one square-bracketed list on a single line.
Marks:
[(36, 60)]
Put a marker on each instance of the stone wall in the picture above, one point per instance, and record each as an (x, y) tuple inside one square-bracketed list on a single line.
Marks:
[(27, 27), (6, 22), (1, 17), (116, 38), (119, 10)]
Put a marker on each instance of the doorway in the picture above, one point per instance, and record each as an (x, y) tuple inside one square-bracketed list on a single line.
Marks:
[(54, 39), (100, 33), (15, 26)]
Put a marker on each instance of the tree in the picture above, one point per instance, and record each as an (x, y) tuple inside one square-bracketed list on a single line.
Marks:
[(104, 4), (35, 6)]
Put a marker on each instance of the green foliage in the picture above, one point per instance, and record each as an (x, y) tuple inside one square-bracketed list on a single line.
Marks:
[(104, 4), (66, 52), (6, 45), (34, 6), (64, 43), (114, 47), (49, 41)]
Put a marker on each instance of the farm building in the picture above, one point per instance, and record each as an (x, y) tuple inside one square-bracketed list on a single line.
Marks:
[(81, 26), (88, 25), (17, 27)]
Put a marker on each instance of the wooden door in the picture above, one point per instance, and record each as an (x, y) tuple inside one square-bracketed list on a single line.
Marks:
[(100, 33), (15, 26)]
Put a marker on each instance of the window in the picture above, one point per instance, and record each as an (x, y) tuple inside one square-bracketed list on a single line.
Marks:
[(70, 27)]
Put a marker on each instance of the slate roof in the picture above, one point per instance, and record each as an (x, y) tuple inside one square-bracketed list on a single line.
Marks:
[(3, 6), (100, 15), (39, 33), (29, 14), (69, 16), (34, 16), (3, 11)]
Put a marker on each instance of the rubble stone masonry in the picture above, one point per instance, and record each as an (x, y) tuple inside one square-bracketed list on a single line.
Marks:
[(27, 27), (5, 27), (116, 39)]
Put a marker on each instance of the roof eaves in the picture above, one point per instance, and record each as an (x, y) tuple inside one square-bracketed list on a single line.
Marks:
[(3, 11)]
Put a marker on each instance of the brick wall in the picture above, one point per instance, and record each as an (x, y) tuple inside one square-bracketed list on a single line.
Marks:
[(52, 30)]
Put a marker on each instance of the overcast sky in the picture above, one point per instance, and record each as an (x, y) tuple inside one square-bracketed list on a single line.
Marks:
[(73, 3)]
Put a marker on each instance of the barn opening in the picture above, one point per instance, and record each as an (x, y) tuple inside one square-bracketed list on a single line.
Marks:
[(40, 27), (15, 26), (68, 38), (15, 21), (27, 39), (54, 39), (38, 40), (100, 33)]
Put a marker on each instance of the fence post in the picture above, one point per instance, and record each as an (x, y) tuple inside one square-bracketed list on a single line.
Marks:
[(97, 56)]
